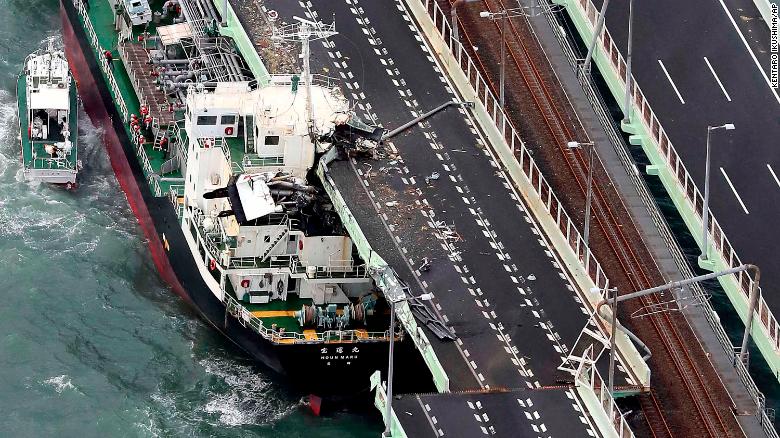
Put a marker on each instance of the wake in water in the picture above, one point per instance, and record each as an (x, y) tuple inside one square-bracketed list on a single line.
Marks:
[(246, 397)]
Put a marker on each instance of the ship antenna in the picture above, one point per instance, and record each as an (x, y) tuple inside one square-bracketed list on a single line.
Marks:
[(304, 32)]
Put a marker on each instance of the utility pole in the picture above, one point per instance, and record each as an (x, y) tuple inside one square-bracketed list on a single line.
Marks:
[(705, 226), (589, 192), (454, 17), (612, 346), (596, 34), (627, 101)]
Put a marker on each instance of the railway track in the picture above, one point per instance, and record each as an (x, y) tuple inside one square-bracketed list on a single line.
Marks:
[(654, 415), (705, 407)]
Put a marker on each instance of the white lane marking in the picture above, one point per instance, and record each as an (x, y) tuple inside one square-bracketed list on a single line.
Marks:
[(752, 55), (728, 180), (722, 88), (663, 67), (774, 175)]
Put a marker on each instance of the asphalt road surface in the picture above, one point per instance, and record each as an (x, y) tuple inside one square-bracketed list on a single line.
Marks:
[(705, 63)]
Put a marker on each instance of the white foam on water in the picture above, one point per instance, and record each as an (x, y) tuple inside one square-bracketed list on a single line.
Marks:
[(61, 383), (250, 399)]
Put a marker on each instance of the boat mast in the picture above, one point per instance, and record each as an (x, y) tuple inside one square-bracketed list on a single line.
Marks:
[(305, 32)]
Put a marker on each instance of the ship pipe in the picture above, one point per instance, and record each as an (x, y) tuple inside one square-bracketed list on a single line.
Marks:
[(182, 77), (230, 63), (170, 61), (173, 72)]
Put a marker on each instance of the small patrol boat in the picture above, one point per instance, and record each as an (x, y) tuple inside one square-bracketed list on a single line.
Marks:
[(48, 130)]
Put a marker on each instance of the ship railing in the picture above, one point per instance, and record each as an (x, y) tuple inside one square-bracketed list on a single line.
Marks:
[(282, 261), (281, 336), (252, 160), (316, 79), (334, 269), (51, 163), (236, 168), (146, 165), (102, 61), (215, 142), (175, 192)]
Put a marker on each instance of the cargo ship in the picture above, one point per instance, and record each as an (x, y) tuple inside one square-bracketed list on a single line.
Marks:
[(220, 168)]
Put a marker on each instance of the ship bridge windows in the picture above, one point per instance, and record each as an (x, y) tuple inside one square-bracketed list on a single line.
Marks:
[(271, 140), (207, 120), (228, 120)]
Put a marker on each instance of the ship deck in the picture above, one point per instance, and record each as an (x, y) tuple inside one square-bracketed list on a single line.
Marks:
[(31, 149), (101, 16)]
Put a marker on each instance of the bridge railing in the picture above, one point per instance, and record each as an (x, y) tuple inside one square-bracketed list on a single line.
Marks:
[(531, 170), (678, 171), (613, 130)]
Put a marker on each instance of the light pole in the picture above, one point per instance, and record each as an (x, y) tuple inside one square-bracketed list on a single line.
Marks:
[(706, 208), (454, 17), (596, 34), (627, 100), (389, 397), (501, 16), (589, 193)]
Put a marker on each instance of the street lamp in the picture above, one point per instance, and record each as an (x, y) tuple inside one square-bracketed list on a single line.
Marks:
[(705, 212), (589, 193), (454, 16), (502, 16), (595, 37), (389, 397)]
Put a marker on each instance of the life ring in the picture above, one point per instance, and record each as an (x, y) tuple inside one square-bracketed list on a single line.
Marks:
[(229, 130), (213, 264), (300, 245), (245, 283), (279, 287)]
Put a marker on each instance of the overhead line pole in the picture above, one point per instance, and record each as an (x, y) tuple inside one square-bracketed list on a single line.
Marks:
[(627, 101), (594, 39)]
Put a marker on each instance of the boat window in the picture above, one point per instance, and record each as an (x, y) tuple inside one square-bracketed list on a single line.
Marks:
[(228, 120), (271, 140), (207, 120)]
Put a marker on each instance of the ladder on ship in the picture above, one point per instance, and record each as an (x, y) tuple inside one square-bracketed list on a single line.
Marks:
[(249, 133), (273, 244), (159, 134)]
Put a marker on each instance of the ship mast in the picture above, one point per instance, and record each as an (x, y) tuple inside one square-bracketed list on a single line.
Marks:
[(305, 32)]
